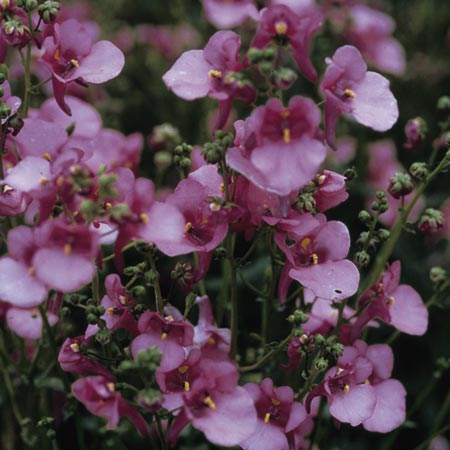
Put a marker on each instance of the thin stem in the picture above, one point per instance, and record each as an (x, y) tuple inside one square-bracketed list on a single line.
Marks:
[(161, 434), (396, 230), (157, 288), (425, 443), (266, 357), (27, 63), (442, 413), (233, 293)]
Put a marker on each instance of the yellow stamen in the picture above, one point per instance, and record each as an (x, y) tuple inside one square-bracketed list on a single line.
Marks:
[(287, 135), (67, 249), (215, 207), (305, 243), (108, 206), (169, 318), (281, 27), (75, 63), (75, 347), (110, 311), (211, 341), (60, 181), (229, 78), (47, 156), (187, 386), (187, 227), (111, 386), (43, 181), (163, 336), (346, 388), (215, 74), (183, 369), (275, 402), (122, 299), (321, 179), (31, 271), (285, 114), (56, 54), (144, 218), (349, 93), (209, 402), (5, 4), (304, 339), (315, 258), (339, 370), (204, 221), (380, 288), (222, 188), (267, 418), (390, 301), (366, 381), (7, 188)]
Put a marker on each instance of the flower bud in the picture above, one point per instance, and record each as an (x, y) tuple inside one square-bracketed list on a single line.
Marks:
[(164, 137), (49, 11), (361, 259), (162, 160), (305, 203), (321, 364), (255, 55), (415, 131), (284, 78), (400, 185), (350, 174), (431, 221), (5, 110), (438, 275), (103, 336), (383, 234), (419, 171), (319, 339), (364, 217)]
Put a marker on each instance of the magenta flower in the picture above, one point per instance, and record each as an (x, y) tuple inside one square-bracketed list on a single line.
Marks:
[(215, 405), (280, 24), (192, 220), (276, 148), (28, 322), (394, 303), (117, 304), (351, 398), (331, 190), (211, 72), (100, 398), (170, 334), (226, 14), (72, 360), (316, 258), (371, 31), (71, 56), (350, 89), (278, 416)]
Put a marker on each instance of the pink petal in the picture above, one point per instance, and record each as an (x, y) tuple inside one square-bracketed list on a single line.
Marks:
[(188, 77), (65, 273), (104, 62), (30, 174), (375, 106), (382, 359), (354, 407), (390, 409), (27, 322), (266, 436), (18, 287), (408, 312)]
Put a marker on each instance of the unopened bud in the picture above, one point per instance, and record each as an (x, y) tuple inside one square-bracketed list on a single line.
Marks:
[(419, 171), (284, 78), (321, 364), (438, 275), (49, 11), (361, 259), (431, 221), (400, 185), (415, 131), (364, 217)]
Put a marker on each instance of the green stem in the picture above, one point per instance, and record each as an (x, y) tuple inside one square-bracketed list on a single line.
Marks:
[(388, 247), (233, 293), (266, 357), (10, 390), (96, 288), (156, 286), (161, 434), (442, 413), (27, 64)]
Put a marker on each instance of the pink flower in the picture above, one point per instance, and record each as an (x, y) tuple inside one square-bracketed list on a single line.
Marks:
[(278, 416), (331, 190), (211, 72), (349, 88), (28, 322), (316, 251), (71, 55), (100, 398), (281, 24), (226, 14), (276, 148)]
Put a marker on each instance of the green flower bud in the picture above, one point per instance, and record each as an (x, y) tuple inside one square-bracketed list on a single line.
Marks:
[(361, 259), (321, 364), (431, 221), (364, 217), (255, 55), (438, 275), (419, 171), (92, 319), (383, 234), (400, 185), (103, 336)]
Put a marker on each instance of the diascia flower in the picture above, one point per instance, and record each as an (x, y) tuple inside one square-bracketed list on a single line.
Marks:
[(350, 89), (211, 72), (226, 14), (70, 55), (277, 148)]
